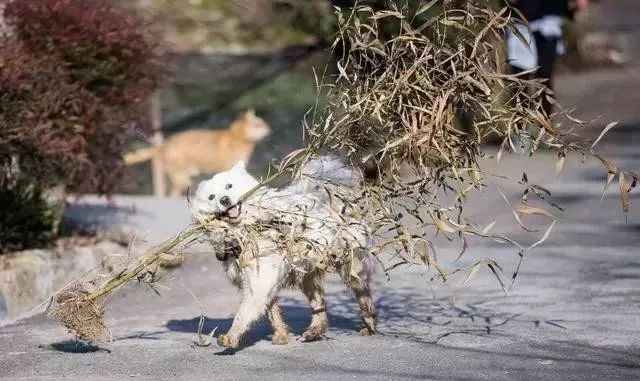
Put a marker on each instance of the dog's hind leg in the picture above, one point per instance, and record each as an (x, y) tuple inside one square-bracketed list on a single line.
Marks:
[(313, 288), (360, 287), (363, 295), (280, 329)]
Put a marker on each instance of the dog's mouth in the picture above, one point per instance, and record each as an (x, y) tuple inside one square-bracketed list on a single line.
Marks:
[(233, 212)]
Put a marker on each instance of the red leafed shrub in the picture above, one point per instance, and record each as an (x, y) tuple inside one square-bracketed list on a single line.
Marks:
[(74, 77)]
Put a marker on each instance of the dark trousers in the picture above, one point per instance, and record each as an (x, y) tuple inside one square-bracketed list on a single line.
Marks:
[(547, 54)]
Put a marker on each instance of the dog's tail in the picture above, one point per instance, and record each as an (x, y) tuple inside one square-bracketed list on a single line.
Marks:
[(329, 169), (140, 155), (322, 171)]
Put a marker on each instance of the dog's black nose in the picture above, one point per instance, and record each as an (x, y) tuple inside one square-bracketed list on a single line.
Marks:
[(225, 201)]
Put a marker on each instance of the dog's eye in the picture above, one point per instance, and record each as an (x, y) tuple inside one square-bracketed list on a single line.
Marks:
[(211, 197), (229, 186)]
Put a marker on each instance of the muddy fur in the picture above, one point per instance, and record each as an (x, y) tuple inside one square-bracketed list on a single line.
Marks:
[(260, 276)]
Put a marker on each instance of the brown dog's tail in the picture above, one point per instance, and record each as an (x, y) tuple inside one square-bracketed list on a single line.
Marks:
[(140, 155)]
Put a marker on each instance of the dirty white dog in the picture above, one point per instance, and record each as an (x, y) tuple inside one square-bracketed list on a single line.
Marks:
[(264, 276)]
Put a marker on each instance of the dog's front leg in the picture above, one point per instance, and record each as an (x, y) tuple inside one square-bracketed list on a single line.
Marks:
[(260, 285), (280, 329), (313, 288)]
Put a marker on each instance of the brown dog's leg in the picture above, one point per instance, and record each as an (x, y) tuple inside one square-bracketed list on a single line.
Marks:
[(180, 181), (280, 329), (314, 290)]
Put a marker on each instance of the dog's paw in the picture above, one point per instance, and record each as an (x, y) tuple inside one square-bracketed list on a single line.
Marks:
[(280, 338), (227, 341), (366, 331), (312, 334)]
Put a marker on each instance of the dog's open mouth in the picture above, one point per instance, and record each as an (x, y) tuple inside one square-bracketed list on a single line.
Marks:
[(233, 212)]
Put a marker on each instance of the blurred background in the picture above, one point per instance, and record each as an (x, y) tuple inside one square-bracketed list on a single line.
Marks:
[(203, 63), (229, 56)]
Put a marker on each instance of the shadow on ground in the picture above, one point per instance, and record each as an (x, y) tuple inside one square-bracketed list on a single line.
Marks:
[(75, 346), (296, 316), (427, 322)]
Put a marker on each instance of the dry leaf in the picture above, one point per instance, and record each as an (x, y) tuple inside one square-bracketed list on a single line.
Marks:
[(557, 170), (442, 225), (488, 228), (544, 236), (523, 209), (612, 170), (606, 129), (625, 186), (472, 273)]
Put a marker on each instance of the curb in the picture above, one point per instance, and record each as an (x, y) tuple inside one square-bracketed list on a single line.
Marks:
[(28, 278)]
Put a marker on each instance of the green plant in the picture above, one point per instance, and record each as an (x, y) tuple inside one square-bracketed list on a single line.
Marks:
[(26, 218)]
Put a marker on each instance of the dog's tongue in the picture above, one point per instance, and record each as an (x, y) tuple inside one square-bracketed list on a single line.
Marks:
[(234, 211)]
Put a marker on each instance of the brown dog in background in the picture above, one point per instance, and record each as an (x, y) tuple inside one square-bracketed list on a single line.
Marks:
[(190, 153)]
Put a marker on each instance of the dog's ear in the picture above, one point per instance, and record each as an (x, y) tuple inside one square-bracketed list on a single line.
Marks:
[(250, 113)]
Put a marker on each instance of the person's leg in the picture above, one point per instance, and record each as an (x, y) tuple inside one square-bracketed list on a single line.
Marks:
[(523, 93), (547, 54)]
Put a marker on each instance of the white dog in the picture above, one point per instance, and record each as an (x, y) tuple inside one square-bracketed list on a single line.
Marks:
[(304, 205)]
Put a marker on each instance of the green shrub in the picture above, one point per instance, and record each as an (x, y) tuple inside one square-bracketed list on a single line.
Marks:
[(26, 218)]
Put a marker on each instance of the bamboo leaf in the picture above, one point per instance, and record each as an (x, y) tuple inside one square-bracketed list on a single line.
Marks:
[(441, 224), (612, 170), (492, 266), (606, 129), (427, 6), (557, 170), (472, 273), (544, 236), (523, 209), (488, 228), (625, 186)]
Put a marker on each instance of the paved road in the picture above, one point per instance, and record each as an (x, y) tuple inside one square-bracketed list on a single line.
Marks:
[(573, 314)]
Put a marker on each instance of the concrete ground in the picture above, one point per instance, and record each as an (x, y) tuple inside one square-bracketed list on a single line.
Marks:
[(572, 314)]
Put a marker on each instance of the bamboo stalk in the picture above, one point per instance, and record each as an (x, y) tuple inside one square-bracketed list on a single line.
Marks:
[(145, 261)]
